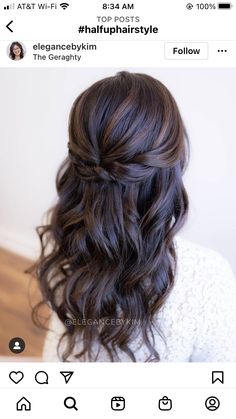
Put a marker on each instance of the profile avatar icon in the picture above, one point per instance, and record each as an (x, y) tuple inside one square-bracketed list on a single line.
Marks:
[(17, 345), (212, 403), (16, 51)]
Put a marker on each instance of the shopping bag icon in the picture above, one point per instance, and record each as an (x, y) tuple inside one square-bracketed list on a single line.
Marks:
[(165, 403)]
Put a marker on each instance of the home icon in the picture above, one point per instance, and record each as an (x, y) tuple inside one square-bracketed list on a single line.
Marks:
[(23, 404)]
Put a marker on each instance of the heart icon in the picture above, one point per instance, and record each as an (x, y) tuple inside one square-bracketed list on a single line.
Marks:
[(16, 376)]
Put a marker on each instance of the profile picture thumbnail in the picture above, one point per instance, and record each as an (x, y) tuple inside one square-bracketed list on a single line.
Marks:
[(16, 51)]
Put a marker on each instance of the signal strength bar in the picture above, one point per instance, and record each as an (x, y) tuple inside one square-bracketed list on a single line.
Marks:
[(9, 7)]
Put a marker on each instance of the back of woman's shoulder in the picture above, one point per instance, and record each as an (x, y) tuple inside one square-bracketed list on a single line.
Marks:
[(194, 257)]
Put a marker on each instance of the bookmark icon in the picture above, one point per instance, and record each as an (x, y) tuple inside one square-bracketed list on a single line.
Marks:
[(67, 375), (217, 376)]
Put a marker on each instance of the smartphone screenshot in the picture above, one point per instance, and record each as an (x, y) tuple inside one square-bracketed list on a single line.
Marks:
[(117, 209)]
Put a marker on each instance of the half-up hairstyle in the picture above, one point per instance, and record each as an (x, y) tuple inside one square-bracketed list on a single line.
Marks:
[(107, 252)]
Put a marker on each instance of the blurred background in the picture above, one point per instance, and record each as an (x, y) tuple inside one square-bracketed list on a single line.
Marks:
[(34, 109)]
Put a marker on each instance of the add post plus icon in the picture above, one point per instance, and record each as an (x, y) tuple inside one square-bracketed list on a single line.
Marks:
[(67, 375)]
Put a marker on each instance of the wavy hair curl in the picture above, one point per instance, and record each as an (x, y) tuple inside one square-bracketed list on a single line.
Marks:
[(107, 250)]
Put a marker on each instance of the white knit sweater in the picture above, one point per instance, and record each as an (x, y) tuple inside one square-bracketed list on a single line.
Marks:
[(198, 319)]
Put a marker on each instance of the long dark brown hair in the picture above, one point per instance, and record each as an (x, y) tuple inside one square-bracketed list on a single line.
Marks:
[(107, 251)]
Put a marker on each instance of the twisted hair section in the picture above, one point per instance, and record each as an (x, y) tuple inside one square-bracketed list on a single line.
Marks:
[(107, 251)]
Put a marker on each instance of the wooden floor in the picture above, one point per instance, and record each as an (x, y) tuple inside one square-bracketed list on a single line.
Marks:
[(18, 291)]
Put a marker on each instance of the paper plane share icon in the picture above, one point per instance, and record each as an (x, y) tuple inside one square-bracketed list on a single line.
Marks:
[(67, 375)]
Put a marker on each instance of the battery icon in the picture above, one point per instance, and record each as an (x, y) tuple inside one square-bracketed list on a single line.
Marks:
[(224, 5)]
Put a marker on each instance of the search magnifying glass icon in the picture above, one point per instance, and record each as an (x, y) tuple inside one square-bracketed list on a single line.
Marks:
[(70, 403)]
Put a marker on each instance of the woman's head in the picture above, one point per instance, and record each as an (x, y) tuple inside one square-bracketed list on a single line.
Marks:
[(125, 129), (16, 51), (121, 200)]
